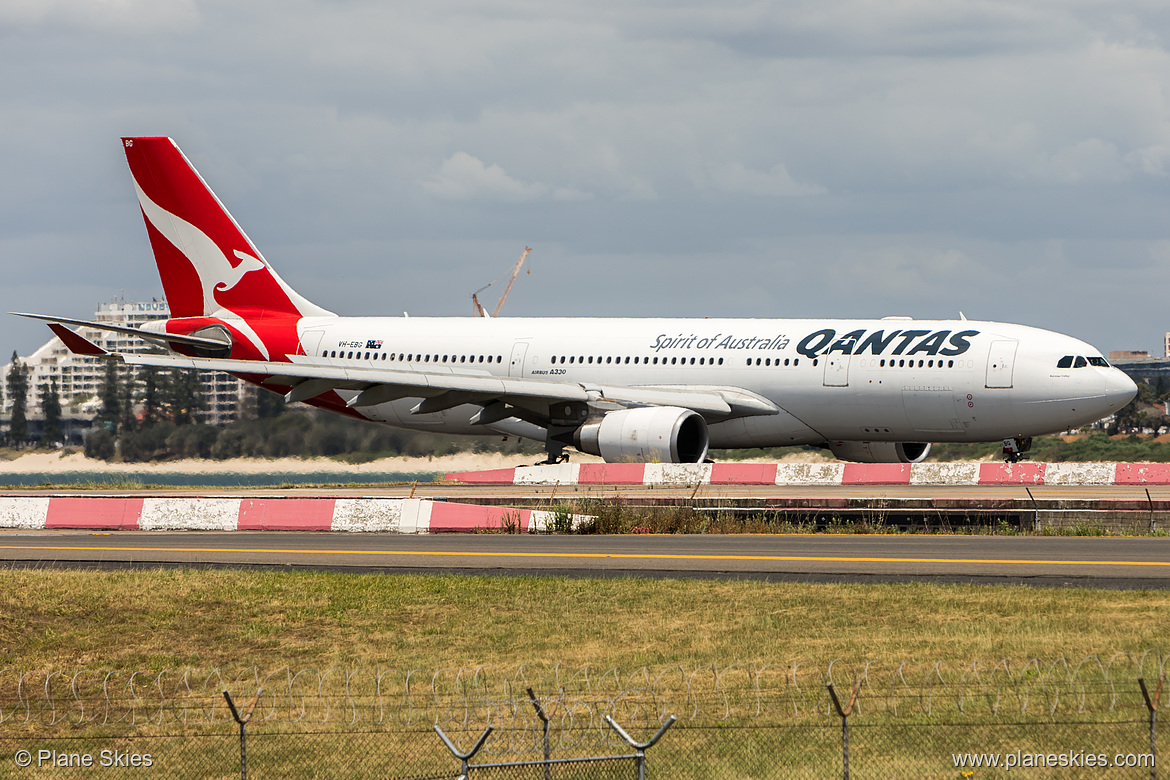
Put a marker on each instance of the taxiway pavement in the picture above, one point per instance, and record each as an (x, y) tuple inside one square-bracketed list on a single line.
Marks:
[(1110, 562)]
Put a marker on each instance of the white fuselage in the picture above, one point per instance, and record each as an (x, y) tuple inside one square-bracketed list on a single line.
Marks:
[(894, 380)]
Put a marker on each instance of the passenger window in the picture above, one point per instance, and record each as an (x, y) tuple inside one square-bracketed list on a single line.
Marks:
[(608, 360), (635, 361), (627, 360), (692, 361), (950, 364), (674, 361), (1080, 362), (655, 361), (1065, 362), (720, 361), (702, 361), (795, 362)]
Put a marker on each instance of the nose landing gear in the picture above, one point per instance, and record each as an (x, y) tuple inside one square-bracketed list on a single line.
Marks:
[(1014, 449)]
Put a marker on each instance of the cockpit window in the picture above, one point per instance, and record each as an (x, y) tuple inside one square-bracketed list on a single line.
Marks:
[(1100, 362), (1080, 362), (1065, 362)]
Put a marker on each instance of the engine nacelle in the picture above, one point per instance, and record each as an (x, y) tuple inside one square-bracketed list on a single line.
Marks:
[(655, 434), (880, 451)]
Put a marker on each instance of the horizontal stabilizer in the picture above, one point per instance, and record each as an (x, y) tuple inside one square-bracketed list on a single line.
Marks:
[(194, 341)]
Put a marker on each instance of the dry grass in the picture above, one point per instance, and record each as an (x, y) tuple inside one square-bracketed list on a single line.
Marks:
[(180, 618)]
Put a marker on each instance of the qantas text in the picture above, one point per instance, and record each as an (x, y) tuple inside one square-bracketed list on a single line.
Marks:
[(858, 342)]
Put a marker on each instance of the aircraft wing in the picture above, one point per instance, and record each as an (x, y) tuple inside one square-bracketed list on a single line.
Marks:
[(529, 399)]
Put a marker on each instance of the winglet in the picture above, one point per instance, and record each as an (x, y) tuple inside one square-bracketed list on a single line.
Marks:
[(78, 344)]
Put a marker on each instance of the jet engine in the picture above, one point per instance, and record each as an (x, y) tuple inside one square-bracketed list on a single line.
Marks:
[(880, 451), (655, 434)]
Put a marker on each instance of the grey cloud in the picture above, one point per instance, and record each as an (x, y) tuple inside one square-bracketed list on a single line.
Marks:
[(756, 159)]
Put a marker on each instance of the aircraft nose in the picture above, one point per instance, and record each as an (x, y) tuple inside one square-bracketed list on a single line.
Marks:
[(1119, 388)]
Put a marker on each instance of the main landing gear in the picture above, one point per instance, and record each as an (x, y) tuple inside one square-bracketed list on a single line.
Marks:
[(556, 453), (1014, 449)]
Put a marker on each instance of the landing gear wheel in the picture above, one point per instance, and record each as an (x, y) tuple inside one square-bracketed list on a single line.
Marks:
[(1014, 450), (552, 460), (556, 454)]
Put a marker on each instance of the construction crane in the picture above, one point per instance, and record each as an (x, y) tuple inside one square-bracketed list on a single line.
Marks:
[(477, 307)]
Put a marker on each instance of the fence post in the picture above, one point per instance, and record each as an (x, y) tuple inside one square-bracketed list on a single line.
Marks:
[(1152, 707), (1036, 510), (243, 719), (463, 757), (844, 713), (640, 747), (540, 713)]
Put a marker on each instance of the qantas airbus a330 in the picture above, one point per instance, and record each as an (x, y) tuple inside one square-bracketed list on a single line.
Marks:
[(625, 389)]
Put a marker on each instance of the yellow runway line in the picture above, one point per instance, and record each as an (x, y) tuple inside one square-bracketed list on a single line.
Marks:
[(639, 556)]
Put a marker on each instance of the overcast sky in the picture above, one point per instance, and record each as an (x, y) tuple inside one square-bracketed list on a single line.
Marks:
[(793, 159)]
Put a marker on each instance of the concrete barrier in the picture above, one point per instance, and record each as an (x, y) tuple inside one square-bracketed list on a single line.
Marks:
[(400, 515)]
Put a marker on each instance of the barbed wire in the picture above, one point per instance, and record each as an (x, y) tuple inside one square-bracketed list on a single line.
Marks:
[(467, 699)]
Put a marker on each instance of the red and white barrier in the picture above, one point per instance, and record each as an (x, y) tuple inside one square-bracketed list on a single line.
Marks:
[(402, 515), (824, 474)]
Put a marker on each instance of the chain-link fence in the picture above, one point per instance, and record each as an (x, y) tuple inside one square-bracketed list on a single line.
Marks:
[(1096, 717)]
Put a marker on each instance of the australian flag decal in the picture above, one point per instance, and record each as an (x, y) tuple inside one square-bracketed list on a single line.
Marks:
[(371, 344)]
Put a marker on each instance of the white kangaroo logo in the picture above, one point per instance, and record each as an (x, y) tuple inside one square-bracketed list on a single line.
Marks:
[(215, 270)]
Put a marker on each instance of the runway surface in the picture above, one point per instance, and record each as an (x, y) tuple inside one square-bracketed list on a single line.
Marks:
[(1108, 562)]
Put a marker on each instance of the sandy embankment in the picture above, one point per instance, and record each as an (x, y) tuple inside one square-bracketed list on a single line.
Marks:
[(53, 463)]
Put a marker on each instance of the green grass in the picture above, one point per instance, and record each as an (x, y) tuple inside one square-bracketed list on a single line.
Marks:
[(174, 619), (156, 619)]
